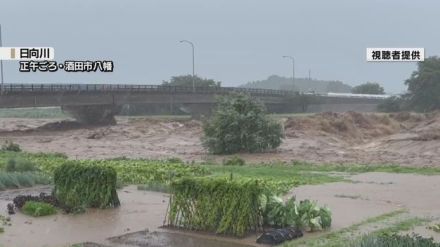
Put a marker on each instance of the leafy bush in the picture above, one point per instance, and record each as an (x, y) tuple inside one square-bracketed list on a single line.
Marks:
[(220, 205), (234, 161), (423, 86), (240, 124), (79, 186), (394, 240), (368, 88), (37, 209), (391, 104), (306, 215), (187, 81), (10, 146), (19, 165)]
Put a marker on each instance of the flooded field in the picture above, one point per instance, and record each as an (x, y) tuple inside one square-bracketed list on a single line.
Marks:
[(372, 194), (354, 199), (139, 210), (139, 219), (141, 214)]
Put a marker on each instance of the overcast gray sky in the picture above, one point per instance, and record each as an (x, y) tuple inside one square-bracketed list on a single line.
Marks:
[(236, 40)]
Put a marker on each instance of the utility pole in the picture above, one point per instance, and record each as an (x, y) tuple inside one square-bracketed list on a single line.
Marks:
[(293, 69), (1, 63), (193, 72)]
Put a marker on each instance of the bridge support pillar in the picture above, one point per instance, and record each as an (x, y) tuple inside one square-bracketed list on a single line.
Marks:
[(93, 114), (198, 111)]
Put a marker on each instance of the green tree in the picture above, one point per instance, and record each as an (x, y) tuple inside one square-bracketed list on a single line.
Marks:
[(368, 88), (240, 124), (337, 87), (187, 81), (391, 104), (424, 86)]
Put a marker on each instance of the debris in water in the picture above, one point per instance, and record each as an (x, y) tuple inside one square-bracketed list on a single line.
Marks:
[(278, 236), (10, 208)]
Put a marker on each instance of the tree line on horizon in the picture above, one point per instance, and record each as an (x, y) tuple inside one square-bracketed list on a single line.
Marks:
[(282, 83), (423, 93)]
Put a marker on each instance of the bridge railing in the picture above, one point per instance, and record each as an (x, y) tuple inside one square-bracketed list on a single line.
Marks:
[(17, 88)]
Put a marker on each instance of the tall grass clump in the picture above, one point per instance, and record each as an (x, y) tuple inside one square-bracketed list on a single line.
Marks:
[(220, 205), (17, 164), (79, 186), (14, 180)]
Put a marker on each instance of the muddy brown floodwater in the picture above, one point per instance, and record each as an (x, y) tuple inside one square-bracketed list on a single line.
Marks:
[(405, 138), (140, 211), (373, 194)]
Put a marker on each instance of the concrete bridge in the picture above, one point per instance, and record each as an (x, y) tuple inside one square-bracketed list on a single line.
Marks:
[(99, 103)]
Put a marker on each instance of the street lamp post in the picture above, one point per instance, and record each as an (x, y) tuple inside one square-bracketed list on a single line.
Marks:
[(293, 68), (1, 62), (193, 71)]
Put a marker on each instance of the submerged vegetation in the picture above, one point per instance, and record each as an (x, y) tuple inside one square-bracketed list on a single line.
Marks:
[(249, 192), (10, 146), (394, 240), (282, 175), (385, 225), (37, 209)]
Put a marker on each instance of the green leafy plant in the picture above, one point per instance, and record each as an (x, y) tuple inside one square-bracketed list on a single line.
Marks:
[(37, 209), (78, 186), (304, 215), (240, 124), (276, 213), (10, 146)]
